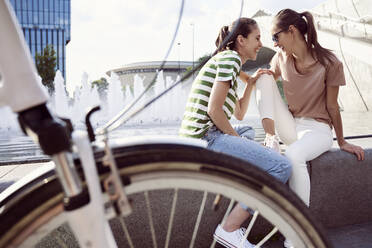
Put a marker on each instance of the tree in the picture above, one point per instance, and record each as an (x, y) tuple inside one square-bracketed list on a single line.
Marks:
[(46, 66), (101, 85), (199, 60)]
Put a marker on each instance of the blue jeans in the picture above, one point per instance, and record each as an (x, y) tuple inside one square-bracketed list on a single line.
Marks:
[(245, 148)]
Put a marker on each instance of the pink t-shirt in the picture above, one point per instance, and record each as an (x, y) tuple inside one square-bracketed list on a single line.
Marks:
[(306, 93)]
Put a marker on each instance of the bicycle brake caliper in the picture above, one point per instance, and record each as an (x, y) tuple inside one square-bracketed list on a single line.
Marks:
[(113, 184)]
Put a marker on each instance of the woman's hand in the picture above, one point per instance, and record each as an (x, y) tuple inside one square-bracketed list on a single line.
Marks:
[(253, 79), (357, 150)]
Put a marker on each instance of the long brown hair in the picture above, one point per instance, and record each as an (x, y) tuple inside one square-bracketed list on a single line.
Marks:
[(244, 27), (304, 22)]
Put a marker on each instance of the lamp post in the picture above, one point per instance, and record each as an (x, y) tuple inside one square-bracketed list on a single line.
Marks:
[(179, 56), (193, 48)]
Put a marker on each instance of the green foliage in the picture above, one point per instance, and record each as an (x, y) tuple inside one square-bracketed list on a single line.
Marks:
[(101, 84), (281, 90), (46, 66), (198, 61), (207, 55)]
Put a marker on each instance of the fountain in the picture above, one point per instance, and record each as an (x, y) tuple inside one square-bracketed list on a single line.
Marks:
[(85, 97), (163, 117), (167, 110)]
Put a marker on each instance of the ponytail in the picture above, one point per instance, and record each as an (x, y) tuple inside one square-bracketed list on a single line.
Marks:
[(304, 22), (224, 32), (322, 54), (242, 26)]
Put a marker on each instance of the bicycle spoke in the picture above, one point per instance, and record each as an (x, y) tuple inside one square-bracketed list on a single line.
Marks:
[(149, 212), (275, 229), (126, 232), (202, 205), (232, 201), (171, 217), (249, 228)]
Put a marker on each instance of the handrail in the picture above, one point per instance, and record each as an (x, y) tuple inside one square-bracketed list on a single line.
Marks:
[(357, 137), (367, 19)]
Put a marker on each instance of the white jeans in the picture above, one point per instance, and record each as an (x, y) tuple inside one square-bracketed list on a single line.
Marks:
[(305, 138)]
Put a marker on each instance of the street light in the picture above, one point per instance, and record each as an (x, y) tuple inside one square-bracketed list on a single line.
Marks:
[(179, 56), (193, 48)]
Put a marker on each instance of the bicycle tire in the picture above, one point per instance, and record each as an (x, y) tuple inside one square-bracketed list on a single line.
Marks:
[(44, 194)]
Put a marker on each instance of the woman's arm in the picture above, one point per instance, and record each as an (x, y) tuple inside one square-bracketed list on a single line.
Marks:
[(215, 104), (334, 113), (242, 105)]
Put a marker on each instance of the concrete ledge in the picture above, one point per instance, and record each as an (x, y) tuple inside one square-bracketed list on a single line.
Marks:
[(341, 188)]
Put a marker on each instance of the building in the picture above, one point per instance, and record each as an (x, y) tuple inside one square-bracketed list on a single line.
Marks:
[(173, 69), (45, 22), (148, 70)]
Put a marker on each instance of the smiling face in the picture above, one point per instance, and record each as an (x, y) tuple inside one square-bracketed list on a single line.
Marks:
[(282, 38), (250, 45)]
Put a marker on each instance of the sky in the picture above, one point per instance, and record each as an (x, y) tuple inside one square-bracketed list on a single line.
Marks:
[(108, 34)]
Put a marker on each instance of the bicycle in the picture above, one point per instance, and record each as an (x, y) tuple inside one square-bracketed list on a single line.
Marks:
[(96, 197)]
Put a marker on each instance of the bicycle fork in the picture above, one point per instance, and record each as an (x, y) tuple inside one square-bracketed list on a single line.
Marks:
[(88, 222)]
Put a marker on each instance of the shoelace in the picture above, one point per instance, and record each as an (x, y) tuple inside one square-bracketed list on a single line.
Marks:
[(270, 139), (242, 231)]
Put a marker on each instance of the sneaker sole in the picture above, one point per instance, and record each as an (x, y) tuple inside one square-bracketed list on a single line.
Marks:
[(223, 242)]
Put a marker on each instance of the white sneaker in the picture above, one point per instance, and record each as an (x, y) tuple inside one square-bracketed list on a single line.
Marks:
[(231, 239), (288, 244), (272, 141)]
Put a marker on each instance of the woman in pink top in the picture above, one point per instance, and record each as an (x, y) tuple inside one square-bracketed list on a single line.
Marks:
[(311, 78)]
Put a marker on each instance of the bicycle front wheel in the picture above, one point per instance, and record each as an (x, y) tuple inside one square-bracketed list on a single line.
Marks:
[(172, 189)]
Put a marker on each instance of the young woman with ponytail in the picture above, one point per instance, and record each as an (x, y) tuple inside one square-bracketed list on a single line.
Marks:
[(311, 78), (213, 100)]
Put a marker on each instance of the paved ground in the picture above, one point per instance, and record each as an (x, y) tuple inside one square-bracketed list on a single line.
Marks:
[(354, 236)]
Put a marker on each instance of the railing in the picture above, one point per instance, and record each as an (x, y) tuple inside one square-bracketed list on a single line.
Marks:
[(357, 28)]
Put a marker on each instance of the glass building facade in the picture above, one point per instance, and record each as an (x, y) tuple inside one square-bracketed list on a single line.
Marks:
[(45, 22)]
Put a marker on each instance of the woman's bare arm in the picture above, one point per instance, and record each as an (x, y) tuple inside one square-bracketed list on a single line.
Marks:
[(215, 104), (334, 113), (242, 105)]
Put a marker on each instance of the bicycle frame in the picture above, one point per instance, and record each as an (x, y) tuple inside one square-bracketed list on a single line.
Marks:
[(95, 231), (17, 66)]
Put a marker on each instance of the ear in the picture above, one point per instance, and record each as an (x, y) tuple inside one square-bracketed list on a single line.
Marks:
[(240, 39), (292, 28)]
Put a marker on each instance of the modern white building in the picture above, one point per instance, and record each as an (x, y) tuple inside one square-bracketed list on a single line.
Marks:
[(147, 70)]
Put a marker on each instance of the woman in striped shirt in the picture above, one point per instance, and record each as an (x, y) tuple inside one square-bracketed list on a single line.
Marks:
[(213, 100)]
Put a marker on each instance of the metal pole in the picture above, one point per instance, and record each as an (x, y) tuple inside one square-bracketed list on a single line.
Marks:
[(179, 56), (193, 31)]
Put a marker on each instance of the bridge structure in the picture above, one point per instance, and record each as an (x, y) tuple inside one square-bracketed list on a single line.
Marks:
[(345, 27)]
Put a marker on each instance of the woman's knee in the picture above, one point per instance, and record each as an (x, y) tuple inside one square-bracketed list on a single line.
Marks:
[(279, 167), (265, 80), (286, 169)]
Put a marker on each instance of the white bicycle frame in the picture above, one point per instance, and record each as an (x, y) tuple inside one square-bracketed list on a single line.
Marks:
[(20, 89), (19, 78), (89, 223)]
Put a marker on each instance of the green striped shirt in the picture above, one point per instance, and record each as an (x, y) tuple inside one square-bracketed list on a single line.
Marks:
[(224, 66)]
